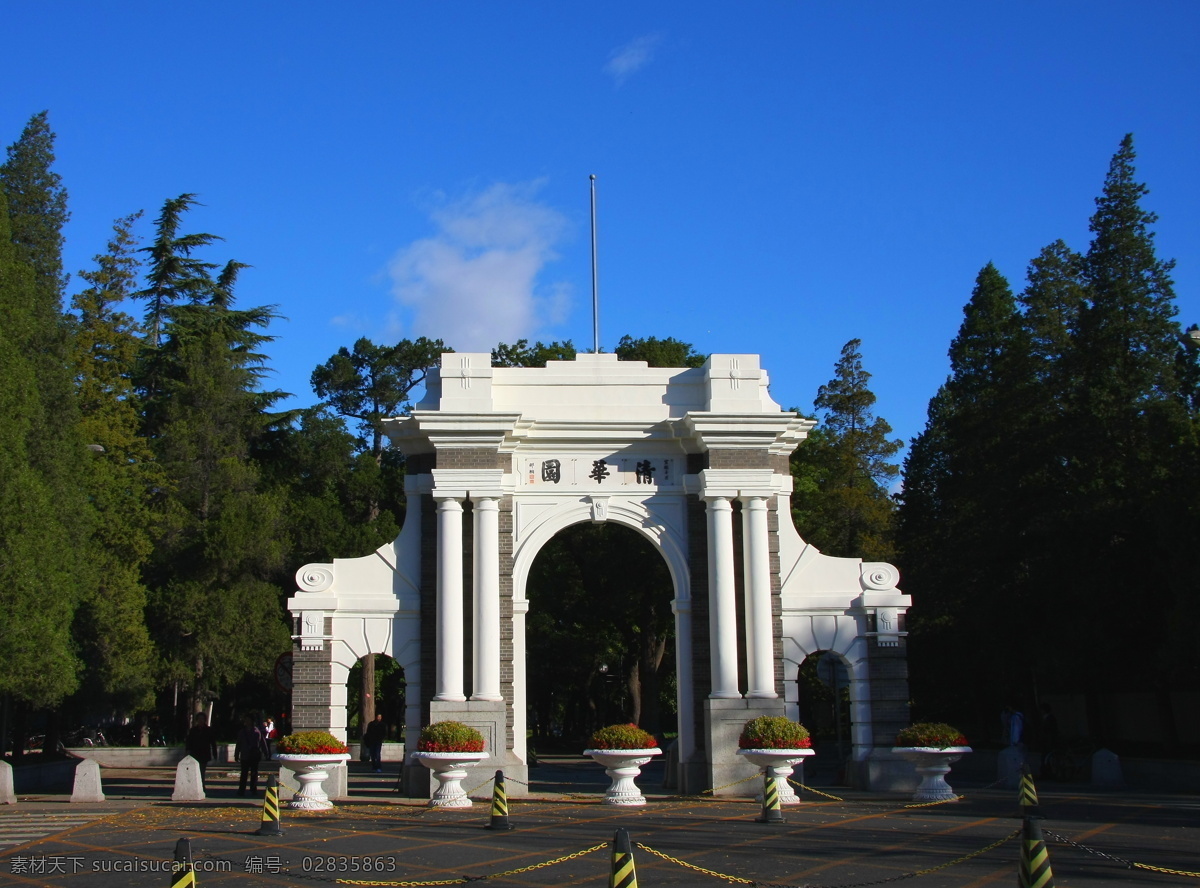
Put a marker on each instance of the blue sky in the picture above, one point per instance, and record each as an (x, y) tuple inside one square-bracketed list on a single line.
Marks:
[(773, 177)]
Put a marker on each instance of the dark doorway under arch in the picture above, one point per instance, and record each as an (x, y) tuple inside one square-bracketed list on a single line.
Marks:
[(600, 636)]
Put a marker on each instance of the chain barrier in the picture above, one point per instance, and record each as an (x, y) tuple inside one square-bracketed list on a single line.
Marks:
[(903, 876), (800, 785), (957, 798), (1128, 864)]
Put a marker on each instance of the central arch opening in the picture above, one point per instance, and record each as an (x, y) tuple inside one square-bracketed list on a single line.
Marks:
[(600, 649)]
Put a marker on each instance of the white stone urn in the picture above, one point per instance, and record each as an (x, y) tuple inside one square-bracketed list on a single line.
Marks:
[(311, 770), (933, 764), (623, 766), (778, 764), (450, 768)]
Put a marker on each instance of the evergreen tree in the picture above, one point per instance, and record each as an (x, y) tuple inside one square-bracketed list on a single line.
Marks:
[(373, 382), (174, 274), (37, 209), (213, 609), (110, 626), (41, 574), (843, 470), (45, 532), (522, 354), (963, 514), (669, 352)]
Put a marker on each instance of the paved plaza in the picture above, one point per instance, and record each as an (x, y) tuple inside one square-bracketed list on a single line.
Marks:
[(561, 837)]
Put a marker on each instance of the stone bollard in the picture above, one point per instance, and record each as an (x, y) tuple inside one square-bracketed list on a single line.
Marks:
[(8, 793), (87, 783), (189, 787), (1106, 769)]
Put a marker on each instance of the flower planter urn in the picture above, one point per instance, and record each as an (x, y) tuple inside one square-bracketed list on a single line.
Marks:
[(933, 764), (450, 768), (778, 764), (623, 766), (311, 771)]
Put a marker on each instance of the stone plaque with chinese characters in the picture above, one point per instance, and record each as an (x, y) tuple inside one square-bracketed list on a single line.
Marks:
[(554, 472)]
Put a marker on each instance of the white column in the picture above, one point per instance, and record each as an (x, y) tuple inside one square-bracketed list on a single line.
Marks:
[(485, 684), (448, 683), (520, 696), (760, 645), (722, 599)]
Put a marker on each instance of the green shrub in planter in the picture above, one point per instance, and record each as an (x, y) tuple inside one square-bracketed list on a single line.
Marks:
[(311, 743), (934, 734), (622, 737), (449, 736), (774, 732)]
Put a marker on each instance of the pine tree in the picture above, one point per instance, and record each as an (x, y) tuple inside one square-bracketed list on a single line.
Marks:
[(843, 470), (47, 522), (37, 208), (373, 382), (215, 613), (174, 274), (110, 626), (41, 573)]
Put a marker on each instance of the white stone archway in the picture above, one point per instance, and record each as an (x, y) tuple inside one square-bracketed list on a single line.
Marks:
[(694, 460)]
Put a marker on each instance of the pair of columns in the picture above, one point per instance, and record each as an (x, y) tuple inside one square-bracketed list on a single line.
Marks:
[(756, 557), (485, 597)]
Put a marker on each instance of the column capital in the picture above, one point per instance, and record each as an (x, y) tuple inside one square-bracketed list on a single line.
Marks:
[(736, 483)]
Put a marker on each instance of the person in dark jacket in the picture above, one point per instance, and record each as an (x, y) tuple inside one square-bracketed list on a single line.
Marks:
[(373, 739), (201, 743), (250, 750)]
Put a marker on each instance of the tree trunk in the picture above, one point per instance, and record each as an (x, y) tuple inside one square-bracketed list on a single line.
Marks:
[(367, 710)]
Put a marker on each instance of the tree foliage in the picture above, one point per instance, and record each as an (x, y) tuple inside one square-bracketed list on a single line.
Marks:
[(373, 382), (843, 470), (522, 354), (669, 352), (1057, 474), (110, 624)]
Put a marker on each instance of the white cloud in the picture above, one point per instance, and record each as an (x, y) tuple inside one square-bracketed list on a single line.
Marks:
[(475, 283), (626, 60)]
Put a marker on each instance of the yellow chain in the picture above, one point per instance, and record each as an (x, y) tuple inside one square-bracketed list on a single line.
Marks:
[(692, 866), (938, 802), (463, 881), (933, 869), (1163, 869), (727, 785), (526, 869), (817, 791)]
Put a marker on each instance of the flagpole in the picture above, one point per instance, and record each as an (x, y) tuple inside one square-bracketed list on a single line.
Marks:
[(595, 277)]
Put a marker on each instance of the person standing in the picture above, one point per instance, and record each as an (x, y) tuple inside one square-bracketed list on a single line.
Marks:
[(269, 735), (201, 743), (250, 748), (373, 740)]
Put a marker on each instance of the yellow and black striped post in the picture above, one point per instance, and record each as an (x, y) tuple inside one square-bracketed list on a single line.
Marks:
[(772, 809), (1034, 871), (183, 874), (1027, 795), (270, 815), (499, 804), (624, 874)]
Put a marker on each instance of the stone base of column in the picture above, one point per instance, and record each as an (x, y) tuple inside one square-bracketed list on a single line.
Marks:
[(882, 771), (490, 719), (723, 721)]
